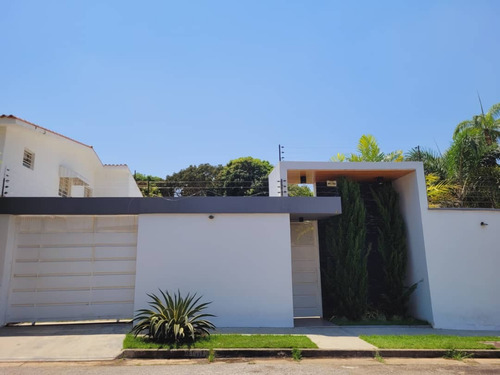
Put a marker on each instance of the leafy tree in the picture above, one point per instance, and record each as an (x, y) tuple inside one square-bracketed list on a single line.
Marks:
[(472, 164), (472, 159), (441, 192), (369, 150), (488, 125), (392, 247), (345, 271), (299, 191), (433, 162), (195, 180), (467, 174), (246, 176), (147, 184), (143, 177)]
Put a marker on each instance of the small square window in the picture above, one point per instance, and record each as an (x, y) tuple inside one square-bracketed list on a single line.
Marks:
[(29, 159)]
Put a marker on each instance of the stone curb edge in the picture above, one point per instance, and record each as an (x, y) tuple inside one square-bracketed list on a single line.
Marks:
[(287, 353)]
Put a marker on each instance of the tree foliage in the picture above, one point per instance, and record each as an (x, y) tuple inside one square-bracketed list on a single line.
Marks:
[(147, 184), (195, 180), (392, 247), (369, 150), (467, 174), (246, 176), (299, 191), (486, 125), (345, 270)]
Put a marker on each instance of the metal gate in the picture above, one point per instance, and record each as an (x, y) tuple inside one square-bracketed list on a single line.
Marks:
[(73, 268)]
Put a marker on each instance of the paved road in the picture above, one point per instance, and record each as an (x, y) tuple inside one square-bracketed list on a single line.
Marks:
[(278, 367)]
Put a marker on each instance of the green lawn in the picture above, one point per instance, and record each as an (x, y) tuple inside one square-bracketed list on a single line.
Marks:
[(379, 322), (227, 341), (429, 341)]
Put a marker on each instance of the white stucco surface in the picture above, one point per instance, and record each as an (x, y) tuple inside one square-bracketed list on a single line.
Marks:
[(52, 152), (463, 263), (413, 203), (7, 234), (242, 263)]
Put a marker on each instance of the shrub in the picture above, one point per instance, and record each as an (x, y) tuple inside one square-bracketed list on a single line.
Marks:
[(393, 249), (174, 320), (345, 271)]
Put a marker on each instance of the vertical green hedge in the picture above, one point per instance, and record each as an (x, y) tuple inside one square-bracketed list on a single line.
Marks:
[(392, 246), (345, 270)]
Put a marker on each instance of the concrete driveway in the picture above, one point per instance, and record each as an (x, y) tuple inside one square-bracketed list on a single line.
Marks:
[(64, 342)]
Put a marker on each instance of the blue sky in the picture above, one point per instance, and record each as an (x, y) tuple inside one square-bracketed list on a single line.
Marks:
[(160, 85)]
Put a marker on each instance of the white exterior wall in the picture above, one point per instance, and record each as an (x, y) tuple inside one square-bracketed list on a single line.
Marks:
[(463, 263), (240, 262), (274, 179), (3, 132), (52, 151), (7, 236), (413, 203), (116, 181)]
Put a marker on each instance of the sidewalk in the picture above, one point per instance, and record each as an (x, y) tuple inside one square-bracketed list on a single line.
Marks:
[(346, 337), (93, 342), (65, 342)]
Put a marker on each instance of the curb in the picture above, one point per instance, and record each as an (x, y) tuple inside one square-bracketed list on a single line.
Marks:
[(287, 353)]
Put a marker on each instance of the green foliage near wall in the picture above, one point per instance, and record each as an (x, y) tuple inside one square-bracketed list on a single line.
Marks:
[(345, 268), (392, 246)]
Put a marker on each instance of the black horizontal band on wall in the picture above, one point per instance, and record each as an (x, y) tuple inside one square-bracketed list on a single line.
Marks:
[(308, 208)]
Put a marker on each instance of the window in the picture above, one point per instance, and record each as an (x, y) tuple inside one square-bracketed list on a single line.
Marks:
[(29, 159), (87, 192), (67, 187), (64, 186)]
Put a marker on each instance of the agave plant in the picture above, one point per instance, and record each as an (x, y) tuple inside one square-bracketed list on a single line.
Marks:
[(173, 319)]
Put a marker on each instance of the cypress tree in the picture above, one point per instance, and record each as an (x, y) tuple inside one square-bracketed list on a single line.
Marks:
[(392, 246), (345, 270)]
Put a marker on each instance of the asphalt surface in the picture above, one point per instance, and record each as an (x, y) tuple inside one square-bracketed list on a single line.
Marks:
[(278, 367)]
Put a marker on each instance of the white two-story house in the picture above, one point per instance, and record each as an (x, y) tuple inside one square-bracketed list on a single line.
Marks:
[(38, 162)]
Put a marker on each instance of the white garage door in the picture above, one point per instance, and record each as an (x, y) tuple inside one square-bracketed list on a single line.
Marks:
[(305, 270), (73, 268)]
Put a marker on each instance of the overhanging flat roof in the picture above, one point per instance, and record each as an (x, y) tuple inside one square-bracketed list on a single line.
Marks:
[(309, 208), (362, 171)]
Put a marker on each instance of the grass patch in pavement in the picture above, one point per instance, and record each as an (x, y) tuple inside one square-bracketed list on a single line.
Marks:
[(429, 341), (226, 342)]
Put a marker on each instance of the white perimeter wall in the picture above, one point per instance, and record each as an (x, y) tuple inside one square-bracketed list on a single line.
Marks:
[(464, 266), (242, 263), (413, 202)]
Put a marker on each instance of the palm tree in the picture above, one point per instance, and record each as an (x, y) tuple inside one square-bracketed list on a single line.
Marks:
[(487, 125), (433, 162), (369, 150)]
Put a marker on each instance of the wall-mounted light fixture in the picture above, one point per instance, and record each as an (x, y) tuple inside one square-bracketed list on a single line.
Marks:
[(211, 217), (483, 223), (379, 180)]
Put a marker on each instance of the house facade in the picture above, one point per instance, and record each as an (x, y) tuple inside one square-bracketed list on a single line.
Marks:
[(35, 161), (453, 254), (255, 258)]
